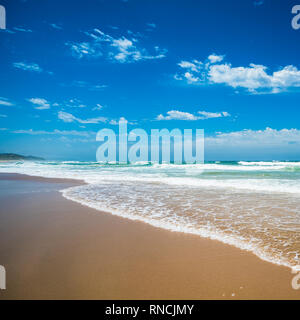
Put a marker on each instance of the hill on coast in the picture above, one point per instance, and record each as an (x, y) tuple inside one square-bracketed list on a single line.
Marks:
[(14, 156)]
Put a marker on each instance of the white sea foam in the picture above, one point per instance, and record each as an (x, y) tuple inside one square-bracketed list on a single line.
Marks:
[(236, 220), (252, 205), (270, 163), (202, 176)]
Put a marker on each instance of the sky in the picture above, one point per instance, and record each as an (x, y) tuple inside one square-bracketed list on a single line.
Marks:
[(71, 68)]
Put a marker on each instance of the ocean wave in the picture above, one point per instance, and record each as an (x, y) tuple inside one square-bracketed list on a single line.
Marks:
[(233, 194), (195, 176), (238, 220)]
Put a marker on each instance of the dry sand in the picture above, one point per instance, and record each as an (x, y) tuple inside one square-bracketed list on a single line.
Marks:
[(53, 248)]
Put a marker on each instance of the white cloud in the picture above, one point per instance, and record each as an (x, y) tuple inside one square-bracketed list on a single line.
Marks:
[(193, 66), (41, 104), (177, 115), (68, 117), (87, 85), (210, 115), (76, 103), (17, 29), (22, 29), (213, 58), (84, 49), (5, 102), (72, 103), (3, 116), (255, 138), (9, 31), (127, 51), (28, 66), (55, 26), (122, 49), (113, 122), (122, 119), (191, 78), (192, 71), (201, 115), (152, 25), (254, 78), (98, 107), (55, 132)]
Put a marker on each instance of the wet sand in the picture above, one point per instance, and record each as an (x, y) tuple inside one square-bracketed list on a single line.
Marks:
[(53, 248)]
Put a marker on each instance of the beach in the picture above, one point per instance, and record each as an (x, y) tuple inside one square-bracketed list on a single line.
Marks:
[(54, 248)]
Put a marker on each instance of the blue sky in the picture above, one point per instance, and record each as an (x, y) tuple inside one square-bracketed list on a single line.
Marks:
[(69, 69)]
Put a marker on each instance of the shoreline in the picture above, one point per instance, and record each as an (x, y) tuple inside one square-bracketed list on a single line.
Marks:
[(215, 237), (27, 177), (195, 267), (189, 231)]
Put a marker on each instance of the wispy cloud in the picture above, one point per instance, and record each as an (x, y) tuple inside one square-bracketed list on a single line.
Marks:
[(76, 103), (40, 103), (86, 85), (17, 29), (213, 58), (254, 138), (32, 67), (210, 115), (8, 31), (177, 115), (55, 26), (73, 103), (68, 117), (151, 26), (55, 132), (122, 49), (254, 78), (21, 29), (28, 66), (115, 122), (98, 107), (84, 49), (5, 102), (201, 115), (44, 104), (3, 116)]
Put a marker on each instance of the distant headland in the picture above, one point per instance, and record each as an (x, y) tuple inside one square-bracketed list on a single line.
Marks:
[(14, 156)]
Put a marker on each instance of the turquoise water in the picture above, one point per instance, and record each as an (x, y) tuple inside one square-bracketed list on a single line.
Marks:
[(252, 205)]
